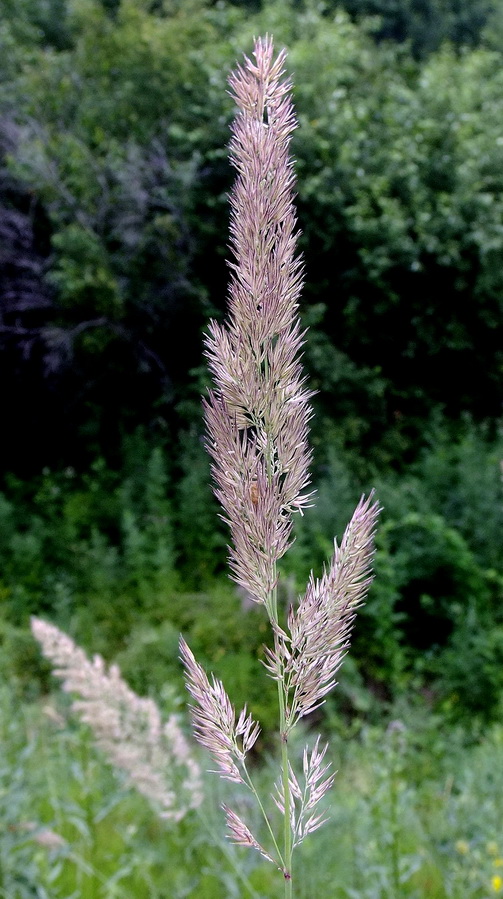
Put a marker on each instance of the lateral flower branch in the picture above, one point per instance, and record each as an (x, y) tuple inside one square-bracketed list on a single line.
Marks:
[(257, 416)]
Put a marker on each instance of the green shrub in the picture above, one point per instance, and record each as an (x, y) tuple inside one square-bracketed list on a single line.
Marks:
[(200, 538)]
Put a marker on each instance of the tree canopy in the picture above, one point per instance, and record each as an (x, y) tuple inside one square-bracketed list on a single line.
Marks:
[(113, 182)]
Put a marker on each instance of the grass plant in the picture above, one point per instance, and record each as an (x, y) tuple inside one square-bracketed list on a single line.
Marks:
[(257, 416)]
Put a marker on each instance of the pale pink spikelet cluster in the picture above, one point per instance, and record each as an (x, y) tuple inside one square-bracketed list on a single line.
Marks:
[(257, 414), (306, 659), (128, 729), (214, 719), (241, 834), (304, 800)]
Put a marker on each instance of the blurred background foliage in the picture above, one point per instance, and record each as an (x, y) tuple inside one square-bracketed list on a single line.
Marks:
[(113, 229)]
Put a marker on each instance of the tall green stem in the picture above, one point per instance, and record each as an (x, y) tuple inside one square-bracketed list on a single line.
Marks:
[(287, 830), (272, 608), (287, 852)]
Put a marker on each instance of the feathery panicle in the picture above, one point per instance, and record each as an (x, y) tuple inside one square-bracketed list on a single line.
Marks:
[(257, 418), (257, 414), (303, 801), (307, 660), (214, 719), (128, 729)]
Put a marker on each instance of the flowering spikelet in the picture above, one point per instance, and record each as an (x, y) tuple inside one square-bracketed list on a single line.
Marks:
[(128, 729), (241, 834), (303, 801), (307, 660), (257, 414), (214, 719)]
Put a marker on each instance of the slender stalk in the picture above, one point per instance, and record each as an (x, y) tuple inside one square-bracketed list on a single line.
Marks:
[(287, 871), (394, 824), (223, 847), (251, 785), (287, 829)]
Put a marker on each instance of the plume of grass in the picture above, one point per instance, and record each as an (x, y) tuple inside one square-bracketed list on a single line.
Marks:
[(257, 416), (129, 730)]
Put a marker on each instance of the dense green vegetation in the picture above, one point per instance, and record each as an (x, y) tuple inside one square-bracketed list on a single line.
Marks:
[(114, 124), (418, 814), (113, 228), (125, 560)]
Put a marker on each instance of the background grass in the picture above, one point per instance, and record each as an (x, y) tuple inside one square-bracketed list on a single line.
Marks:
[(416, 811)]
